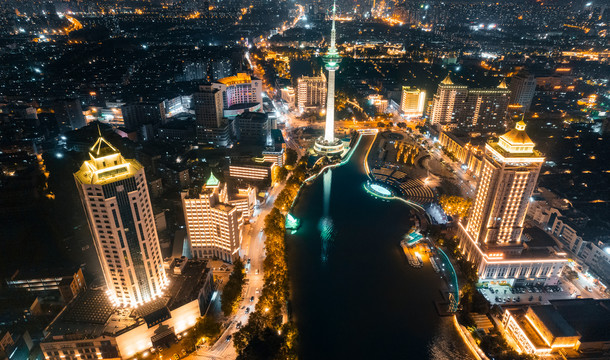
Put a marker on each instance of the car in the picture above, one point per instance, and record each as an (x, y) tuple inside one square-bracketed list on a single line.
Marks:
[(228, 338), (247, 310), (248, 261), (256, 271), (252, 298)]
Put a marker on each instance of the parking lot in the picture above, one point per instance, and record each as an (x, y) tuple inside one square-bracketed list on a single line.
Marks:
[(504, 294)]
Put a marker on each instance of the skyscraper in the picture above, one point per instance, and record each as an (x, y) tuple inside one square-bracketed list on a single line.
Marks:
[(508, 179), (457, 105), (492, 238), (311, 92), (213, 226), (448, 100), (522, 89), (412, 101), (328, 144), (212, 128), (115, 197), (485, 108)]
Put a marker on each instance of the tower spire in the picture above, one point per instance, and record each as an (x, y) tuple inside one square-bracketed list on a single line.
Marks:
[(333, 31)]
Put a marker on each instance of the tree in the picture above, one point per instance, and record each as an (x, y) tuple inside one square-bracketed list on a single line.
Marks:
[(207, 328), (231, 294), (455, 205), (291, 156), (402, 125), (380, 124)]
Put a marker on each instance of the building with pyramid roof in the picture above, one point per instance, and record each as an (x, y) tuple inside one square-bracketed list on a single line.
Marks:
[(492, 236)]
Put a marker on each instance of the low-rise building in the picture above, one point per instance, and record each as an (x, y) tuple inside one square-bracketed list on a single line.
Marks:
[(576, 327), (91, 327)]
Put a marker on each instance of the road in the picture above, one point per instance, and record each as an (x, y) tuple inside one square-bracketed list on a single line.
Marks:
[(253, 246)]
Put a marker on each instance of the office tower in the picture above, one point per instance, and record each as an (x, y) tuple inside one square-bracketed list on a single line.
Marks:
[(221, 68), (207, 103), (522, 88), (253, 128), (311, 92), (115, 197), (69, 114), (328, 144), (214, 227), (492, 238), (485, 108), (448, 101), (142, 113), (212, 128), (412, 101)]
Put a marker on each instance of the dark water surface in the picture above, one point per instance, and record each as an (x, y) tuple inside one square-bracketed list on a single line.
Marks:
[(354, 294)]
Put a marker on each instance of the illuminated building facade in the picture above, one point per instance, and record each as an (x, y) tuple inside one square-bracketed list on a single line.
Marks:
[(240, 93), (328, 144), (115, 197), (448, 100), (92, 327), (311, 92), (412, 102), (492, 237), (456, 105), (564, 326), (485, 108), (214, 227)]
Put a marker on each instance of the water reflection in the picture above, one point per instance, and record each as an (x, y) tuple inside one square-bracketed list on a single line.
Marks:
[(325, 225)]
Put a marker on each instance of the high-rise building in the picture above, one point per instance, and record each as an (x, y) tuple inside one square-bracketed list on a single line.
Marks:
[(69, 114), (240, 93), (207, 103), (221, 68), (412, 102), (115, 197), (485, 108), (329, 144), (212, 128), (492, 237), (448, 102), (522, 89), (142, 113), (311, 92), (214, 227), (252, 127), (457, 105)]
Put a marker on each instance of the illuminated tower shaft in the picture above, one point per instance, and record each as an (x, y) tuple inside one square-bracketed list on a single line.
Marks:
[(329, 133), (331, 60)]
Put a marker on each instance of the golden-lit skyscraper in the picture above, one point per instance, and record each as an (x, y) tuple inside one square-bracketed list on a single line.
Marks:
[(412, 102), (508, 179), (448, 102), (115, 197), (492, 237)]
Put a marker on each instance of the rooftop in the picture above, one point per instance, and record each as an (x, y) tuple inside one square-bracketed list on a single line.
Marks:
[(91, 314), (553, 321)]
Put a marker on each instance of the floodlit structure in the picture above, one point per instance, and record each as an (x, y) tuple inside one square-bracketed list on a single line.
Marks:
[(447, 101), (457, 105), (311, 92), (412, 102), (214, 227), (240, 93), (328, 144), (115, 197), (492, 237)]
